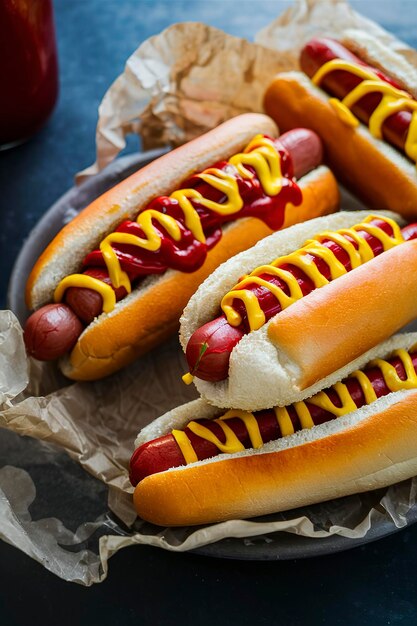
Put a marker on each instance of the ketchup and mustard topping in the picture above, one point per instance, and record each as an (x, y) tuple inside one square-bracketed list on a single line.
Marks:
[(393, 101), (259, 163), (322, 400), (303, 259)]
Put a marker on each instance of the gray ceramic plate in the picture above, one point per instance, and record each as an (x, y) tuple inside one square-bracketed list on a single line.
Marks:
[(275, 546)]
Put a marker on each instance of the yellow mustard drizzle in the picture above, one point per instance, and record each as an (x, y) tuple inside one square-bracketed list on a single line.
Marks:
[(82, 280), (260, 153), (321, 400), (393, 101), (303, 260), (232, 443), (187, 378), (393, 381), (303, 414), (263, 159), (284, 421), (184, 443)]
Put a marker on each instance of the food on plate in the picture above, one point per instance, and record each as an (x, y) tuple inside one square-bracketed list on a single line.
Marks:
[(360, 98), (113, 282), (275, 319), (197, 464)]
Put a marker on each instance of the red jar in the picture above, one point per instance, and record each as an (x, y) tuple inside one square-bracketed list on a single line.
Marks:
[(28, 68)]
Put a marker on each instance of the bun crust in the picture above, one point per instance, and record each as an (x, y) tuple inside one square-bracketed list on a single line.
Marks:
[(151, 314), (373, 447), (375, 171)]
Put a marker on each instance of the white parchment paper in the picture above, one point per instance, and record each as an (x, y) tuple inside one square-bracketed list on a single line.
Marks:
[(65, 497)]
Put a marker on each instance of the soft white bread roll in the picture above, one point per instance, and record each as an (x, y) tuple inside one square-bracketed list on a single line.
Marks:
[(308, 345), (150, 314), (373, 447)]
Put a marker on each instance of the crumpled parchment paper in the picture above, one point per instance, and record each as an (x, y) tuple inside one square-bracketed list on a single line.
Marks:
[(73, 520)]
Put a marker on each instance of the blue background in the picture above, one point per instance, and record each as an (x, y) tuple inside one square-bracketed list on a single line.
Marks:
[(375, 584)]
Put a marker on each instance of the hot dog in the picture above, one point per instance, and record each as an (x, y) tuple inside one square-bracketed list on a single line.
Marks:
[(172, 450), (136, 276), (358, 435), (287, 318), (209, 348), (366, 115)]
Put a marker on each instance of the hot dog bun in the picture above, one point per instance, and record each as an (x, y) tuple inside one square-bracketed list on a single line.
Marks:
[(308, 344), (150, 314), (373, 447), (375, 171)]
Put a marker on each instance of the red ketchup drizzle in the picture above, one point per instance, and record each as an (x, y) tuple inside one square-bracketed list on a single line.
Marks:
[(188, 254), (165, 452), (269, 303)]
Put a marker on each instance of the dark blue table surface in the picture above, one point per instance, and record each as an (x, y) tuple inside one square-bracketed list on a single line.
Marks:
[(374, 584)]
